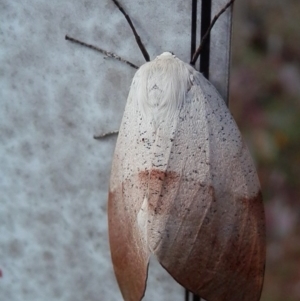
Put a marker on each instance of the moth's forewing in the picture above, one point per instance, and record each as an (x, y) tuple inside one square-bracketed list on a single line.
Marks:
[(207, 225), (185, 189), (129, 249)]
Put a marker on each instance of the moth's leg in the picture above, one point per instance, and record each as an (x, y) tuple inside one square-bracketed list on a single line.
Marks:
[(204, 39), (105, 52), (105, 135), (137, 37)]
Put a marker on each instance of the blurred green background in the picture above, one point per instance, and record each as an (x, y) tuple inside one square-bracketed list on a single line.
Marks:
[(265, 101)]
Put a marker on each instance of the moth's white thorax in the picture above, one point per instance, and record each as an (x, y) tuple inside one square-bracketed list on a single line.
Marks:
[(161, 86)]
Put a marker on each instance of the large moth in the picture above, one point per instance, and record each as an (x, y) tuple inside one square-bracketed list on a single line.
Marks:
[(184, 188)]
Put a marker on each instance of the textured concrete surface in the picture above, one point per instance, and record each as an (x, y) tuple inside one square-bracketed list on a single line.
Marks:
[(53, 175)]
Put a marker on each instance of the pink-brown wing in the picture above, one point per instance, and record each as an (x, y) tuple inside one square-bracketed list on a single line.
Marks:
[(205, 214), (129, 250)]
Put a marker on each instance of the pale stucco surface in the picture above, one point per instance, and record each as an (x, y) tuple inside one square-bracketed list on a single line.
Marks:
[(53, 175)]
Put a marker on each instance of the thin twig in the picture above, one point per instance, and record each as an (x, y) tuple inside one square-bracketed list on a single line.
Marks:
[(203, 40), (106, 53), (137, 37)]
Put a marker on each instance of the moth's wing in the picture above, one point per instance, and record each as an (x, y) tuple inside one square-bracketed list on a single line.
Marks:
[(204, 211), (129, 252)]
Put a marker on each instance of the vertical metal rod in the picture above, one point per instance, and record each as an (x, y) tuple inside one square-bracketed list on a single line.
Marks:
[(186, 295), (196, 298), (205, 22), (206, 9), (193, 49), (204, 55), (194, 28)]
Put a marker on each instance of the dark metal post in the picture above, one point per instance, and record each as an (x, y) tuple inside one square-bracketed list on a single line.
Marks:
[(214, 61)]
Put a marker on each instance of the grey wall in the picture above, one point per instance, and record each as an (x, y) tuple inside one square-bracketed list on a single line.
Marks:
[(54, 176)]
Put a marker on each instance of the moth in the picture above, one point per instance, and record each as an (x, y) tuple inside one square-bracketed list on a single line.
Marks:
[(184, 188)]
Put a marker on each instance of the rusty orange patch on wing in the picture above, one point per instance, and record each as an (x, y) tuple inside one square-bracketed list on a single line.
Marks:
[(129, 253)]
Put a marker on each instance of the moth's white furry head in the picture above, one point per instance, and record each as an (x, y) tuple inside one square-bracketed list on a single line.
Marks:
[(160, 87)]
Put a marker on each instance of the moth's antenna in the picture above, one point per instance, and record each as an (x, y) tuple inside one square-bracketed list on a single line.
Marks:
[(106, 53), (137, 37), (216, 17)]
